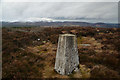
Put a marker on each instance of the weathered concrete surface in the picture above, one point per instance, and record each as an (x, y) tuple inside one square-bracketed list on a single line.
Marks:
[(67, 54)]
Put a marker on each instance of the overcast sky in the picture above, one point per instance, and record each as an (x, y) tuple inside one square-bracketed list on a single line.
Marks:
[(88, 11)]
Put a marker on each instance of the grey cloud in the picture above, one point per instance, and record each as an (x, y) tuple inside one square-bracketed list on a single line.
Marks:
[(99, 11), (60, 0)]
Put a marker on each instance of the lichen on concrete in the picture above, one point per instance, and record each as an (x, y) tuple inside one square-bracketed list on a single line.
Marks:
[(67, 58)]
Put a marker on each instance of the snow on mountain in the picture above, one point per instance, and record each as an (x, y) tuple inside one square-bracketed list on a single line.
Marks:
[(39, 19)]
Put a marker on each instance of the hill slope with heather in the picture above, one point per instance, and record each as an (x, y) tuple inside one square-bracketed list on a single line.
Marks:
[(29, 52)]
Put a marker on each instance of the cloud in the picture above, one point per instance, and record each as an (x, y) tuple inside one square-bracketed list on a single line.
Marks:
[(94, 11), (39, 19), (60, 0)]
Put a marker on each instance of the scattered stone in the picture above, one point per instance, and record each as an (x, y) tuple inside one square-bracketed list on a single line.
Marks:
[(38, 39)]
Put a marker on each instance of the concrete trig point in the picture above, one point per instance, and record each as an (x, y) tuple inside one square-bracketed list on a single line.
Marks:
[(67, 54)]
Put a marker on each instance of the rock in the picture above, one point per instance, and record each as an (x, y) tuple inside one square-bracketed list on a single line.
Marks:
[(76, 69), (38, 39)]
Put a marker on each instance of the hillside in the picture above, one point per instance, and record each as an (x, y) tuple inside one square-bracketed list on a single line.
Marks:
[(58, 24), (29, 52)]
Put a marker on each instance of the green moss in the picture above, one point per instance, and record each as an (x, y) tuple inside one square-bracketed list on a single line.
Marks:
[(39, 47), (79, 40), (85, 72)]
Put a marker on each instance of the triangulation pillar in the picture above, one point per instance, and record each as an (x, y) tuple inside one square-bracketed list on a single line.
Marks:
[(67, 58)]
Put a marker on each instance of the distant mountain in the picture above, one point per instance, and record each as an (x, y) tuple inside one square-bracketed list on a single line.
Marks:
[(56, 24)]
